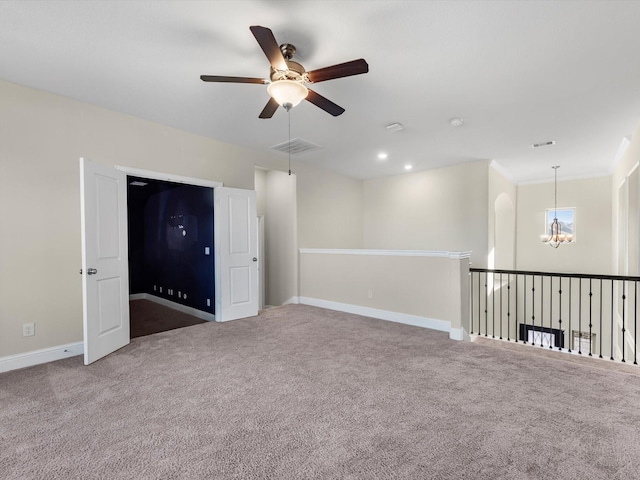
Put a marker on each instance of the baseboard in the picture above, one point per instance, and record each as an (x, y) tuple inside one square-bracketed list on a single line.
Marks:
[(194, 312), (292, 301), (36, 357), (459, 334), (407, 319)]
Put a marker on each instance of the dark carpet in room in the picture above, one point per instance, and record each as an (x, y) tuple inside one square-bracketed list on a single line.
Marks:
[(147, 317)]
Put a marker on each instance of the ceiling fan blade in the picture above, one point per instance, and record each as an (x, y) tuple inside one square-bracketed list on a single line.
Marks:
[(269, 46), (354, 67), (216, 78), (324, 103), (269, 109)]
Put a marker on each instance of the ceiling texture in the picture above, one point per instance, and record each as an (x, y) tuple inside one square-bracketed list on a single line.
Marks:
[(517, 73)]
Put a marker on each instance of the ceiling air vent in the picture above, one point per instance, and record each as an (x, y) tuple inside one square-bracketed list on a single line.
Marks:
[(297, 146)]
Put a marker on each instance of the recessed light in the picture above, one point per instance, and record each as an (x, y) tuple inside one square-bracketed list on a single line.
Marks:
[(408, 167), (456, 122), (394, 127), (543, 144), (383, 156)]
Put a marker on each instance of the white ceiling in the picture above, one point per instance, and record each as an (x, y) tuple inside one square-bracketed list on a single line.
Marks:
[(517, 72)]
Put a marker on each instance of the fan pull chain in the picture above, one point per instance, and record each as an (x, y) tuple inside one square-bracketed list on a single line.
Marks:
[(289, 117)]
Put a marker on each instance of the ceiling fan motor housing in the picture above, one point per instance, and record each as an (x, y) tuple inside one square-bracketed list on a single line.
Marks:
[(288, 75), (294, 72)]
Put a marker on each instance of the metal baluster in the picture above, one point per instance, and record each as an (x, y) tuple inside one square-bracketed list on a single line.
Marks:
[(570, 302), (560, 344), (508, 307), (620, 285), (624, 298), (471, 298), (501, 306), (524, 308), (493, 305), (479, 306), (612, 302), (486, 302), (590, 316), (580, 315), (635, 323), (551, 308), (533, 306), (517, 307), (541, 310), (601, 319)]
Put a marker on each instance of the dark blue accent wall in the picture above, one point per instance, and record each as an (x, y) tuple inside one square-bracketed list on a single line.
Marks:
[(170, 226)]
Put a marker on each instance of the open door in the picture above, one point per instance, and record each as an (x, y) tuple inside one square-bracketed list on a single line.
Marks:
[(105, 281), (235, 232)]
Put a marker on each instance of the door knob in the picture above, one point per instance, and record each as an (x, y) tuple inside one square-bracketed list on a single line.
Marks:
[(255, 259), (91, 271)]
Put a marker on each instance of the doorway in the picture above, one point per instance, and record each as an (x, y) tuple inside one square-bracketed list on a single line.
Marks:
[(171, 261), (105, 279)]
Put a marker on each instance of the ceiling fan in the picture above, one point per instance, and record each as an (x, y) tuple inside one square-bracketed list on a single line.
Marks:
[(286, 83)]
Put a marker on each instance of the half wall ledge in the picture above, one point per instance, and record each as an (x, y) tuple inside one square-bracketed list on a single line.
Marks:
[(425, 288)]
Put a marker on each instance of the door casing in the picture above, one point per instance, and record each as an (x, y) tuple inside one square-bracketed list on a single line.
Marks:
[(170, 178)]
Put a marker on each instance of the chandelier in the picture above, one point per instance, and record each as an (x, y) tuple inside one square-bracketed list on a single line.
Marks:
[(555, 236)]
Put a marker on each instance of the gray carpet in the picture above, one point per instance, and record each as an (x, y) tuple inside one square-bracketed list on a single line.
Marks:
[(300, 393)]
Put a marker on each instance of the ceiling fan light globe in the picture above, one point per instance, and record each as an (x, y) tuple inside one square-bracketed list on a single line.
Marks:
[(287, 91)]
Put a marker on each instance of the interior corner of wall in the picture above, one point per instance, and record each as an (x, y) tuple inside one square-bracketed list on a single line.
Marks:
[(459, 334)]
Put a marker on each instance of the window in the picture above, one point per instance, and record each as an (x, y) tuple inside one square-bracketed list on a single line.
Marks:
[(566, 219)]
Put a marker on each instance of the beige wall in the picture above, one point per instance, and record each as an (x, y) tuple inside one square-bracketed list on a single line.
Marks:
[(41, 139), (329, 209), (427, 286), (625, 200), (591, 252), (442, 209), (447, 209), (502, 220), (280, 238), (260, 182)]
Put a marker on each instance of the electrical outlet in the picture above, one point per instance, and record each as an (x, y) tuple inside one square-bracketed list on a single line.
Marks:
[(28, 329), (370, 294)]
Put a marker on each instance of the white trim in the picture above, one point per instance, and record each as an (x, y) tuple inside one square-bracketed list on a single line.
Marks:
[(568, 178), (395, 253), (169, 177), (622, 149), (501, 170), (407, 319), (459, 334), (292, 301), (36, 357), (209, 317)]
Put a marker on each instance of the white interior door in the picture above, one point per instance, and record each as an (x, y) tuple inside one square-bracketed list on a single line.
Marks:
[(237, 256), (105, 280)]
